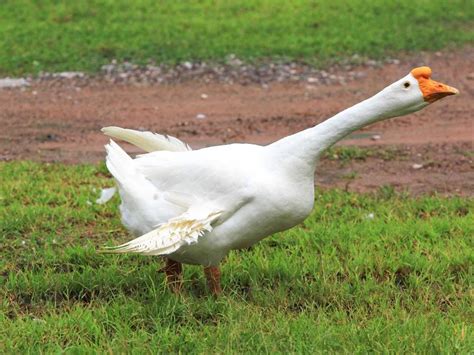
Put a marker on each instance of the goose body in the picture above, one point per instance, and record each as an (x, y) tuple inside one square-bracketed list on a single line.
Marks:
[(256, 194), (194, 206)]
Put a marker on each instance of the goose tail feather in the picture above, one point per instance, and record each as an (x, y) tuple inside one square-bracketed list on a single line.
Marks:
[(148, 141)]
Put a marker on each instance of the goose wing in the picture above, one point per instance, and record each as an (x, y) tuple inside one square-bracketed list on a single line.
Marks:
[(168, 237)]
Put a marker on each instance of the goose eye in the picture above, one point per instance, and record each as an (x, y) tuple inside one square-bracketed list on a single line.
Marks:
[(406, 85)]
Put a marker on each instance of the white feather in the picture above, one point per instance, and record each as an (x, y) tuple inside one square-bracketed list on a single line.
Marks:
[(170, 236), (148, 141)]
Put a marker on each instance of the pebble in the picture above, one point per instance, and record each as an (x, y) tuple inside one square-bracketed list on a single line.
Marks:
[(70, 74), (201, 116), (188, 65), (232, 71), (376, 137), (371, 63), (204, 96), (393, 61), (417, 166), (13, 83), (359, 75)]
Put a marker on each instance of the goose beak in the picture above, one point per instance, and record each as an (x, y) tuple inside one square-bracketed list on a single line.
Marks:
[(435, 91), (432, 90)]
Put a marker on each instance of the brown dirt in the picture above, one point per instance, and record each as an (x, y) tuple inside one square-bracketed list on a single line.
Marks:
[(62, 123)]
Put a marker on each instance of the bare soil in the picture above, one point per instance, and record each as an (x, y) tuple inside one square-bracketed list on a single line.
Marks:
[(48, 122)]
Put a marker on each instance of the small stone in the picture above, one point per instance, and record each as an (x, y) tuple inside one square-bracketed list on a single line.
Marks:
[(312, 80), (13, 83), (204, 96), (376, 137), (71, 74), (108, 68), (360, 75), (417, 166), (201, 116), (34, 92), (370, 216), (371, 63), (188, 65)]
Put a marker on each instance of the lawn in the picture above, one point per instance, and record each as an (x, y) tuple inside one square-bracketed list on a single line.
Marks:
[(83, 35), (365, 272)]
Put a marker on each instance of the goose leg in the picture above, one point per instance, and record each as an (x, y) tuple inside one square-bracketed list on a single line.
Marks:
[(213, 275), (174, 273)]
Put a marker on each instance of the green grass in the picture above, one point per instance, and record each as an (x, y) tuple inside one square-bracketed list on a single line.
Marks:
[(83, 35), (341, 281), (348, 153)]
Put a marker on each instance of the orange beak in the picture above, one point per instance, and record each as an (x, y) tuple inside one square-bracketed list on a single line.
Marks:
[(431, 90)]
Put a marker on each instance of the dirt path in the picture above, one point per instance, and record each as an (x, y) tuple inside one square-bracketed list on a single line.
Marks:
[(62, 123)]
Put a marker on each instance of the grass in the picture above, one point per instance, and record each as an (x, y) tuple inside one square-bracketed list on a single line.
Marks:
[(83, 35), (345, 280), (347, 153)]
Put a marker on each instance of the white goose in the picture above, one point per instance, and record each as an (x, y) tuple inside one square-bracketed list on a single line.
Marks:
[(194, 206)]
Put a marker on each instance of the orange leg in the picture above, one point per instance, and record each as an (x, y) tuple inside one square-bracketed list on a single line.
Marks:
[(213, 276), (174, 275)]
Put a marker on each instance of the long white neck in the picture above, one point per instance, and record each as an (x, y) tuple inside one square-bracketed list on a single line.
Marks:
[(306, 146)]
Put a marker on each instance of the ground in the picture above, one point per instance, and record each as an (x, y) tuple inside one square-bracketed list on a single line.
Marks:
[(430, 151)]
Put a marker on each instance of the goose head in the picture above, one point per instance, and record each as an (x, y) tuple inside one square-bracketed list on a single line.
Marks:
[(412, 93)]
